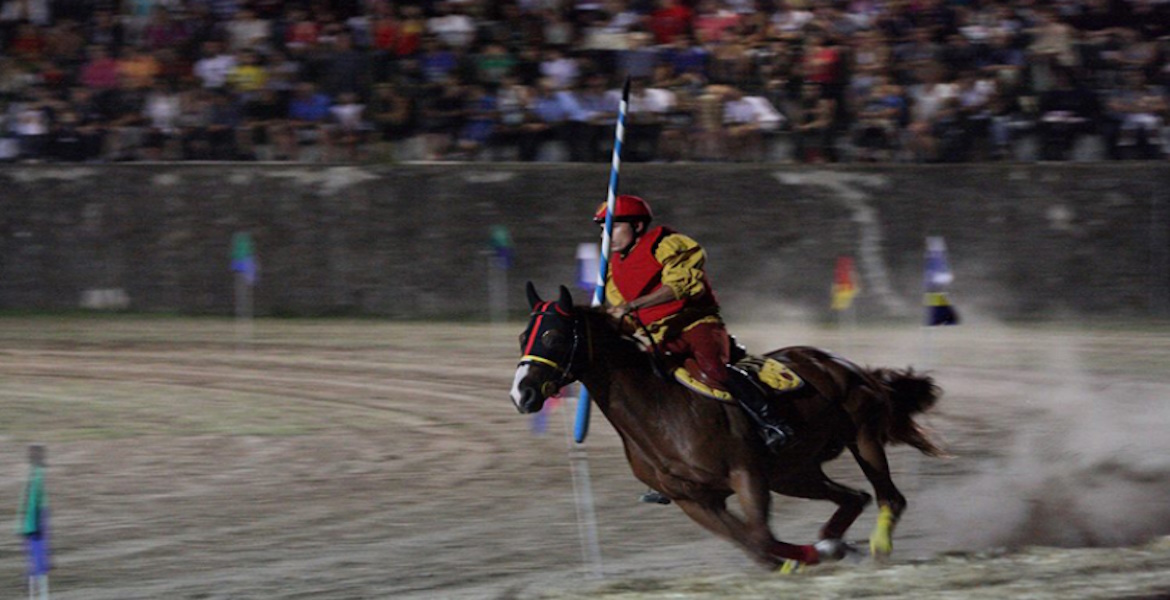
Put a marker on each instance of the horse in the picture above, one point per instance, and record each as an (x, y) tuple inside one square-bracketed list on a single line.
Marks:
[(698, 451)]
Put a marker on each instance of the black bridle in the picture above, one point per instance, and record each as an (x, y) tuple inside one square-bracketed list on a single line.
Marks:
[(561, 362)]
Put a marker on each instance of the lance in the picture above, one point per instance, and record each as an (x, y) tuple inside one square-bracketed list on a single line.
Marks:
[(582, 425)]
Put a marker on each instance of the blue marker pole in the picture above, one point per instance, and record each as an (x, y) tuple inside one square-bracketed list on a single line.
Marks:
[(582, 426)]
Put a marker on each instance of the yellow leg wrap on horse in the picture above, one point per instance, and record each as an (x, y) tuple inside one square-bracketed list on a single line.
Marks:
[(791, 566), (880, 541)]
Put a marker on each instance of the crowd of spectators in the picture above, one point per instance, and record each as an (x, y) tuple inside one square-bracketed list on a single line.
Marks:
[(713, 80)]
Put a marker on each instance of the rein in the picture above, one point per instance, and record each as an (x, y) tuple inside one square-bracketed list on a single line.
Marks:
[(655, 353)]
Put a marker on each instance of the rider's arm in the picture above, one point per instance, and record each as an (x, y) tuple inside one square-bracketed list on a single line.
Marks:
[(682, 261)]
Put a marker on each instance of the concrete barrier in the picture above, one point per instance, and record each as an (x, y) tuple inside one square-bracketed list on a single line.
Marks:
[(1025, 241)]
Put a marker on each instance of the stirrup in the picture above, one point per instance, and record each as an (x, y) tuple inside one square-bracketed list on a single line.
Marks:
[(776, 437)]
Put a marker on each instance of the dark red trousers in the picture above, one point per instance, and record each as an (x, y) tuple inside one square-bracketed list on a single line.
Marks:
[(705, 349)]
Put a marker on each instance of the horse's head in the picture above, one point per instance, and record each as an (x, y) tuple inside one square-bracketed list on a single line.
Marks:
[(548, 349)]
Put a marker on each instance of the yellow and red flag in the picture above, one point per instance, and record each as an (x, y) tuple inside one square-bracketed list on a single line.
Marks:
[(845, 285)]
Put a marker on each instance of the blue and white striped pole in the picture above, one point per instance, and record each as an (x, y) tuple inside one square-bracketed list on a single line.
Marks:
[(582, 426)]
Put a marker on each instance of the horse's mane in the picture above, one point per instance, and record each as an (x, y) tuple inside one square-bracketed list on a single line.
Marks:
[(608, 336)]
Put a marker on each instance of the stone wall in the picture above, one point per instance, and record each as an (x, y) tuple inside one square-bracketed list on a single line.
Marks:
[(1025, 241)]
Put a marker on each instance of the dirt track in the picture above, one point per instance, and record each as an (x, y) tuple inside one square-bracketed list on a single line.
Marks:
[(337, 460)]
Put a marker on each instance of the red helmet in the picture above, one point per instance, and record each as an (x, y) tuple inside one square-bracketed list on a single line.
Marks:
[(626, 208)]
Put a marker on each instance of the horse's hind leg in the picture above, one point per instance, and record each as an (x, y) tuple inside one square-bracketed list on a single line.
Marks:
[(891, 503)]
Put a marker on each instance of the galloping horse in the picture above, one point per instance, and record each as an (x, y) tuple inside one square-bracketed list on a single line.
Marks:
[(698, 451)]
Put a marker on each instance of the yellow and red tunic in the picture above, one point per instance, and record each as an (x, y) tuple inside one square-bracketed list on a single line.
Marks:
[(664, 257)]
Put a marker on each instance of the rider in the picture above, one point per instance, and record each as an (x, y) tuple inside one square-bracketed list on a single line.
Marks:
[(656, 276)]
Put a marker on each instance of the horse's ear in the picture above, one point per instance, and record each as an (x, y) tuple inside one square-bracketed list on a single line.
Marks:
[(566, 299), (533, 297)]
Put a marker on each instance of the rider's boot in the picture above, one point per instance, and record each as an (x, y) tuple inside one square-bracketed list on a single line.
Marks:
[(654, 497), (754, 401)]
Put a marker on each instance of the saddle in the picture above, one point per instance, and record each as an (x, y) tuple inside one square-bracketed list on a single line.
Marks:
[(771, 375)]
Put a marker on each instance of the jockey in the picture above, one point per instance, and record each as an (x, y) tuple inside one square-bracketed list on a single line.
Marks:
[(656, 277)]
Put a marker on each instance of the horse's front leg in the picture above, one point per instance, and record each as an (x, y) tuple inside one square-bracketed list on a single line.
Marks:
[(752, 533), (755, 499), (715, 518)]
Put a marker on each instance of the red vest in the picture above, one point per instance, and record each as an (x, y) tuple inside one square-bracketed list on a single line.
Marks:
[(639, 273)]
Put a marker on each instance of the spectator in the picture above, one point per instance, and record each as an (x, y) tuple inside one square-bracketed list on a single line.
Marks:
[(813, 123), (65, 45), (100, 72), (648, 108), (878, 121), (125, 111), (32, 122), (247, 32), (442, 118), (557, 32), (413, 29), (308, 113), (28, 43), (348, 128), (437, 61), (263, 134), (161, 111), (223, 127), (1136, 117), (348, 70), (91, 122), (302, 33), (452, 25), (742, 128), (927, 101), (214, 65), (35, 12), (493, 64), (66, 143), (248, 77), (562, 70), (588, 111), (974, 96), (105, 30), (1065, 113), (545, 122), (671, 19), (162, 31), (478, 122), (138, 68), (393, 115)]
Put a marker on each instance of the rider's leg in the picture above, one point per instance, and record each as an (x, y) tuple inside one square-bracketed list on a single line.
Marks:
[(754, 400), (709, 345)]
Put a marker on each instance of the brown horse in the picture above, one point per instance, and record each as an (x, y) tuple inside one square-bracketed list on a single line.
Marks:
[(698, 451)]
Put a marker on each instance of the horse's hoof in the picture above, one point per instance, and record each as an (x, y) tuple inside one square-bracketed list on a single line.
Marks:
[(880, 546), (831, 549)]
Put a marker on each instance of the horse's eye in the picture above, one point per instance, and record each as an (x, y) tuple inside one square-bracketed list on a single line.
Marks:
[(523, 338), (553, 340)]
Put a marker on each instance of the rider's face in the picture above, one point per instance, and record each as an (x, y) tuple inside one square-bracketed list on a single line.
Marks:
[(623, 236)]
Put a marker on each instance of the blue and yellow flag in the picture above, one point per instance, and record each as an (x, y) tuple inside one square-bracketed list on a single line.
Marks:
[(938, 276)]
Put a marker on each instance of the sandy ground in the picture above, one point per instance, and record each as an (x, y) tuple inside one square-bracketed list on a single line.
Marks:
[(364, 459)]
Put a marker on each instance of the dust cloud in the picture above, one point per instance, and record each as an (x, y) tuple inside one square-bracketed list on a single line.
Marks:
[(1086, 464)]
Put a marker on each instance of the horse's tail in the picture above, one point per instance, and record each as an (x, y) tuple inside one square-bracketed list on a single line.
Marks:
[(910, 394)]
